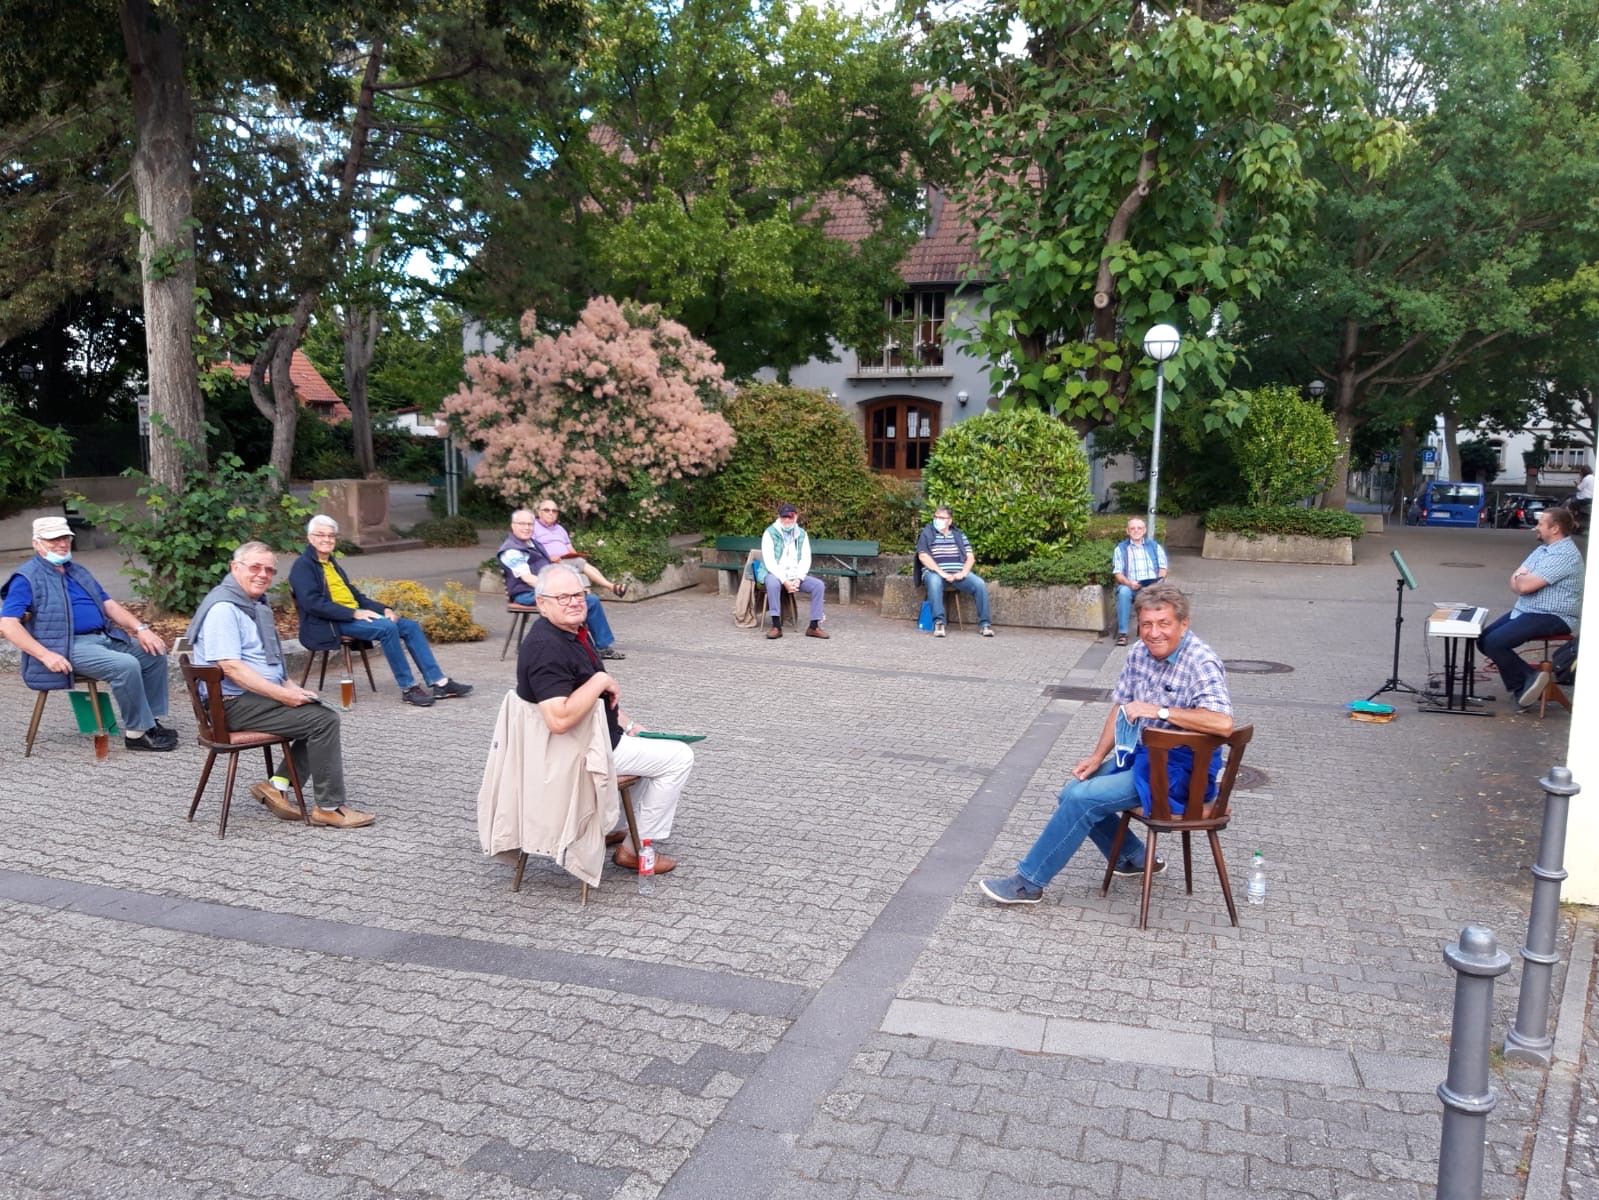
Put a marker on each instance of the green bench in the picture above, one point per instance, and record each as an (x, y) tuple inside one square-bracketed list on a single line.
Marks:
[(834, 557)]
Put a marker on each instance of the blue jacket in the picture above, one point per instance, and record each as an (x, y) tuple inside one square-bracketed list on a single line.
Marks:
[(314, 603), (51, 623)]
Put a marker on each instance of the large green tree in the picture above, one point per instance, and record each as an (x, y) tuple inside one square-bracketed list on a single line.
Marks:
[(1139, 162), (708, 153), (1447, 286)]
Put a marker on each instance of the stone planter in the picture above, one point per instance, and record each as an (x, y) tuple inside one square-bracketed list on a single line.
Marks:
[(1280, 548), (1091, 609)]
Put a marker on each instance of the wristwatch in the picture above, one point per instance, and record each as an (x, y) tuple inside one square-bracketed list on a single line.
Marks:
[(1163, 713), (142, 626)]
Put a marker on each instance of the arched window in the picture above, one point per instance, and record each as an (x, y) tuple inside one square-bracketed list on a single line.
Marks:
[(900, 433)]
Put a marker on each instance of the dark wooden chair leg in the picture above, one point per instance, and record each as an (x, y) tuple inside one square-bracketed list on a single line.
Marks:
[(227, 795), (515, 632), (294, 782), (1115, 853), (205, 776), (366, 664), (1221, 871), (632, 822), (33, 725), (1149, 879), (1188, 861), (521, 861)]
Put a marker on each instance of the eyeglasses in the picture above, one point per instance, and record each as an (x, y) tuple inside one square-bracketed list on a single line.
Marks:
[(259, 569), (324, 535), (563, 597), (549, 510)]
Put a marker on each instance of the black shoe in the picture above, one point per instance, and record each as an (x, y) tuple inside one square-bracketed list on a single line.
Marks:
[(612, 653), (1128, 871), (145, 742), (418, 695), (451, 688), (160, 733)]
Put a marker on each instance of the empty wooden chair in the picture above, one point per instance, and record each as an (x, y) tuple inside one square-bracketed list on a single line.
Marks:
[(1198, 815)]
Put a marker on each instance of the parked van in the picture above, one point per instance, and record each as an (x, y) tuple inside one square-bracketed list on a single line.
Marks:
[(1443, 502)]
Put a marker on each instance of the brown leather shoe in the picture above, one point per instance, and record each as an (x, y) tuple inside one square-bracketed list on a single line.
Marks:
[(774, 632), (277, 802), (616, 837), (817, 632), (628, 861), (341, 818)]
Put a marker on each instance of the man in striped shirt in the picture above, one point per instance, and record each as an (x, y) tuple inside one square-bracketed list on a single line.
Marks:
[(1548, 587), (946, 559), (1136, 562)]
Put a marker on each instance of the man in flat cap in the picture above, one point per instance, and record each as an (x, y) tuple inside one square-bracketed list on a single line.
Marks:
[(65, 624)]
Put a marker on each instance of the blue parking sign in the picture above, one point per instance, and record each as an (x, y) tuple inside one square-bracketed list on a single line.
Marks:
[(1429, 455)]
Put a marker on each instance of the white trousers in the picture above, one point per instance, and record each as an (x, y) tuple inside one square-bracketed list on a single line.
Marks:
[(663, 768)]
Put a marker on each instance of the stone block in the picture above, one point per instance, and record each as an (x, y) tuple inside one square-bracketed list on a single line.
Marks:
[(1089, 608), (1280, 548)]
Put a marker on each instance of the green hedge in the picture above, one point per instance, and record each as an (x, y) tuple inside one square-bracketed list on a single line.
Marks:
[(1084, 564), (1284, 520)]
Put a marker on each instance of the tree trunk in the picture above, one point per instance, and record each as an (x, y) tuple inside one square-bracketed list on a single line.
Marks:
[(272, 384), (1451, 449), (361, 329), (163, 181), (1407, 468)]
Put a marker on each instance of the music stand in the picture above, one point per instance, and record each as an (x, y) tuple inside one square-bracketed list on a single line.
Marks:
[(1406, 579)]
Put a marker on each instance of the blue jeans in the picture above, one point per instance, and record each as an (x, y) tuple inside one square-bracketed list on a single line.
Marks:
[(137, 680), (599, 626), (1124, 605), (395, 638), (1500, 639), (972, 585), (1087, 808)]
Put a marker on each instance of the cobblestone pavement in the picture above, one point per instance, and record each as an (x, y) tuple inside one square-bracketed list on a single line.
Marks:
[(818, 1003)]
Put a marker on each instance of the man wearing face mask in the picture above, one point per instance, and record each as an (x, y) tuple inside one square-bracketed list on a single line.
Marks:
[(786, 555), (945, 559), (65, 623)]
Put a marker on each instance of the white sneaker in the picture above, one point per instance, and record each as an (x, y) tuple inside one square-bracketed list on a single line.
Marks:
[(988, 631), (938, 629), (1533, 690)]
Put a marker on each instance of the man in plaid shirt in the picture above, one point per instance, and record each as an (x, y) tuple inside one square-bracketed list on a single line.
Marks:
[(1136, 562), (1172, 680)]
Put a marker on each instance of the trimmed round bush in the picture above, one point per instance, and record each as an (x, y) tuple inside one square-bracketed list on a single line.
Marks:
[(1016, 480)]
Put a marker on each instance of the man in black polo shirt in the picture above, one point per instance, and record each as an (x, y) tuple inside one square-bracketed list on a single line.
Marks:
[(558, 668)]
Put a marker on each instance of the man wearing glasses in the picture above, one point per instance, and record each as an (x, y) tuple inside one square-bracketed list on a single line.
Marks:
[(551, 534), (522, 557), (558, 669), (62, 620), (330, 607), (234, 629)]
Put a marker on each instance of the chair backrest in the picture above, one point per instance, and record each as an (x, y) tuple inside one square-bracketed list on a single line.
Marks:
[(1161, 742), (209, 715)]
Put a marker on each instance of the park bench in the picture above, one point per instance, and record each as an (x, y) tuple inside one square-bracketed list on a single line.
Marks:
[(834, 557)]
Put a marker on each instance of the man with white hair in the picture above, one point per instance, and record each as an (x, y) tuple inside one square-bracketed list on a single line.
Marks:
[(330, 607), (558, 668), (65, 623)]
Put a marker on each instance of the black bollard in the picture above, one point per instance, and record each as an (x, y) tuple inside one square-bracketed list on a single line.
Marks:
[(1528, 1039), (1468, 1098)]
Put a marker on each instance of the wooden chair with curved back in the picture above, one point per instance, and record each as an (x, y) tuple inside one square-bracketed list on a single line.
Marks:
[(1198, 815), (212, 732)]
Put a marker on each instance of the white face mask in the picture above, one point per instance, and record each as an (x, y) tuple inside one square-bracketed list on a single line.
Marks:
[(941, 524)]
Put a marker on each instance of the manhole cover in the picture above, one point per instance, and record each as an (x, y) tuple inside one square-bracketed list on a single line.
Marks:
[(1250, 779), (1463, 566), (1255, 666), (1089, 695)]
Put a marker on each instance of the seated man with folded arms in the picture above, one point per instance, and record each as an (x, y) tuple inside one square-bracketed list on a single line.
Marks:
[(522, 557), (64, 622), (234, 629), (1171, 680), (551, 534), (558, 669), (1548, 587), (330, 607)]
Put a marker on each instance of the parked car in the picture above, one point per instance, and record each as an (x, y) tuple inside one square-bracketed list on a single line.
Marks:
[(1519, 510), (1446, 502)]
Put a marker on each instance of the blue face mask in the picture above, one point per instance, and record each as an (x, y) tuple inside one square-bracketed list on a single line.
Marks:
[(57, 560)]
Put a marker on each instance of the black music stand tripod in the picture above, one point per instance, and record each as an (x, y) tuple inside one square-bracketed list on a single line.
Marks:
[(1394, 683)]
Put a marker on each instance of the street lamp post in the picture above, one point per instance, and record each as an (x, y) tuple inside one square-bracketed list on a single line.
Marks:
[(1160, 344)]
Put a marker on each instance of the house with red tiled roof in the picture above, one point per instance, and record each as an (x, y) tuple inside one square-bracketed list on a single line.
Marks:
[(313, 391), (906, 391)]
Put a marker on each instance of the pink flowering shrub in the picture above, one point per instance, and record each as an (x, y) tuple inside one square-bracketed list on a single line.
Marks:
[(605, 417)]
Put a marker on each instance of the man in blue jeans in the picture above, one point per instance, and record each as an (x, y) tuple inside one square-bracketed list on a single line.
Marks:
[(1172, 680), (1548, 587), (1137, 562), (946, 560), (522, 557), (330, 607)]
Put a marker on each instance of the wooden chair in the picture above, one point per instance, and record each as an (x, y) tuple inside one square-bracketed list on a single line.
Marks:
[(624, 785), (38, 713), (1553, 691), (346, 644), (520, 613), (212, 732), (1197, 815)]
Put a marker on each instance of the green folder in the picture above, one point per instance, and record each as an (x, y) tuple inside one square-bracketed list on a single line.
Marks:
[(674, 737), (83, 709)]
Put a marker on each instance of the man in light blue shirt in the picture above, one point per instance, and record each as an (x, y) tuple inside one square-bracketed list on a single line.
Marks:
[(1136, 562), (1548, 587)]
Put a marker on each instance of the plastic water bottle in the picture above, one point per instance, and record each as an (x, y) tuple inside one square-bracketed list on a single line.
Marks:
[(1257, 879), (646, 869)]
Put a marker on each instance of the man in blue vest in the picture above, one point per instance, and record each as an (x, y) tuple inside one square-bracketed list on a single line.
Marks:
[(65, 624), (522, 558)]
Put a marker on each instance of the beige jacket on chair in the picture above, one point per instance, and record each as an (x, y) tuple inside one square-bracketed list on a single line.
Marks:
[(550, 794)]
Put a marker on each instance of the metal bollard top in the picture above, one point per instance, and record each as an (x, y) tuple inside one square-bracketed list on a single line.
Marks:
[(1477, 953), (1559, 782)]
